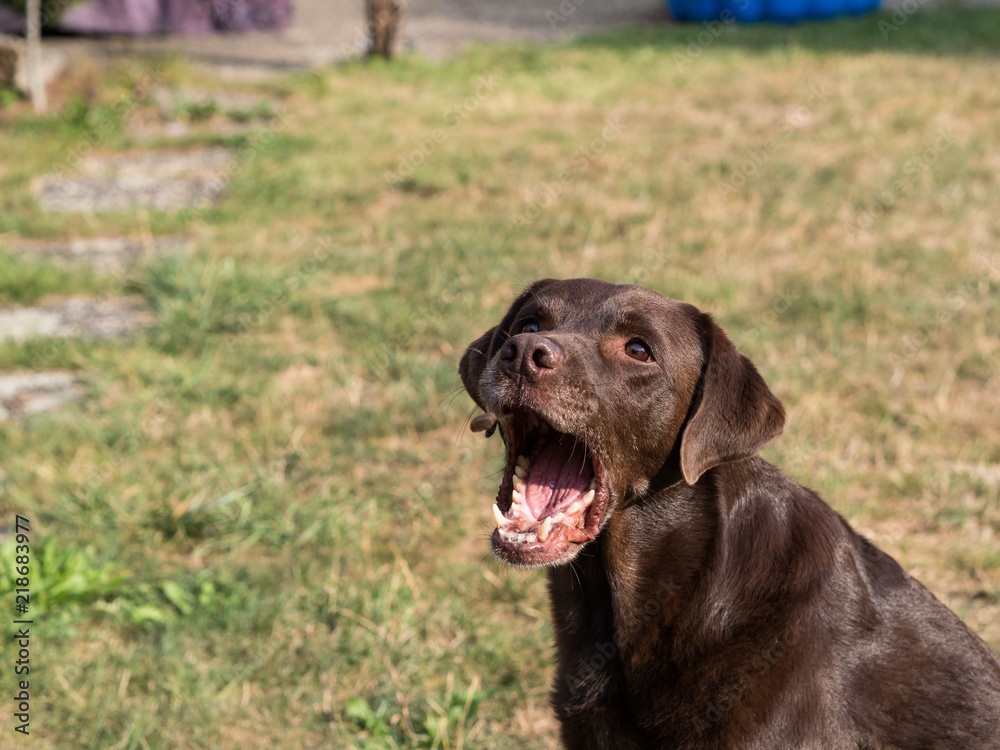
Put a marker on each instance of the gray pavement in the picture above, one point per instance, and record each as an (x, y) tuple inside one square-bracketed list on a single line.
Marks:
[(326, 31)]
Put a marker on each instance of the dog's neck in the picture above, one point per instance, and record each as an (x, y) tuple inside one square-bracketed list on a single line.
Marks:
[(651, 569), (656, 552)]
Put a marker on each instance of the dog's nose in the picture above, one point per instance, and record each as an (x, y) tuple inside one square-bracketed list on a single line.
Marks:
[(530, 355)]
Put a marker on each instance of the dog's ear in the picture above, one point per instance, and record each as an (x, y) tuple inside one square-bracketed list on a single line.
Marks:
[(482, 349), (733, 414)]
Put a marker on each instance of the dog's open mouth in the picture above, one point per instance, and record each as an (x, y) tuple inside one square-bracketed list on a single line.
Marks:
[(553, 494)]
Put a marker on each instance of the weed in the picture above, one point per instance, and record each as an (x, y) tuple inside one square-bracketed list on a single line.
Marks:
[(62, 580)]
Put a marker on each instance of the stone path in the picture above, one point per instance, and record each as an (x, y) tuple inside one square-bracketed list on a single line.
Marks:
[(107, 255), (24, 394), (183, 112), (170, 100), (161, 180), (86, 317), (27, 393)]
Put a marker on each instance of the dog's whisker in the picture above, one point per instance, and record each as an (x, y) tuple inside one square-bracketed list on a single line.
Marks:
[(576, 573), (465, 422), (492, 474), (453, 394)]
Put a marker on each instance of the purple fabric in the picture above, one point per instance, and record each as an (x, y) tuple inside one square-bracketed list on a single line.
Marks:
[(144, 17), (186, 17), (244, 15), (112, 17)]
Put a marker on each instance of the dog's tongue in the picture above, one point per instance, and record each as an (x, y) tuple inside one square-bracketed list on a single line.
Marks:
[(559, 475)]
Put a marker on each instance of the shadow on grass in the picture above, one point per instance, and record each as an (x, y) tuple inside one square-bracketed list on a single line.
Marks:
[(933, 31)]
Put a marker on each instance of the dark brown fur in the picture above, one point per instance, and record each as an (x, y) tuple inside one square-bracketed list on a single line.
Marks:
[(721, 605)]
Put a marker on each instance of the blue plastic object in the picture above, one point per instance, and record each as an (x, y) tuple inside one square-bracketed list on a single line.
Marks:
[(786, 11), (860, 7), (753, 11), (696, 10), (826, 8), (745, 11)]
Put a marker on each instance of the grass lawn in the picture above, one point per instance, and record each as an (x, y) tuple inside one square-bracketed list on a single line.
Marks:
[(266, 525)]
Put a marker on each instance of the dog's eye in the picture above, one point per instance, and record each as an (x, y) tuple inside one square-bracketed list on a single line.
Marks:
[(638, 350), (529, 326)]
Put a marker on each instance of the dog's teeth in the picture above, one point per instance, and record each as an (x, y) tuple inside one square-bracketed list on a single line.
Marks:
[(523, 462), (558, 517), (593, 484), (544, 529), (520, 471), (518, 537), (573, 509), (519, 484), (498, 516), (516, 496), (588, 498)]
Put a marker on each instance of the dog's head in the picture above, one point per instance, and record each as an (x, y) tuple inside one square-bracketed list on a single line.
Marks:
[(604, 393)]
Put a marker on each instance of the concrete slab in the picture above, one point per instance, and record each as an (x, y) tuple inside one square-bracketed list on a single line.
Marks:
[(161, 180), (199, 162), (107, 255), (27, 393), (183, 112), (171, 100), (89, 195), (85, 317)]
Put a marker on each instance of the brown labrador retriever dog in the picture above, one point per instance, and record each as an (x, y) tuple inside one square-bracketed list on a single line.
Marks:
[(701, 598)]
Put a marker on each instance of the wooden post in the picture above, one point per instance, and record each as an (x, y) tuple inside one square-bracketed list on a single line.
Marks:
[(383, 26), (36, 81)]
